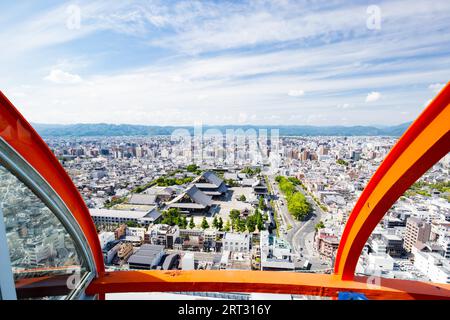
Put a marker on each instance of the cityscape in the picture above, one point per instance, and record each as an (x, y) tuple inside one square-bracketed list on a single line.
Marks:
[(155, 206), (225, 150)]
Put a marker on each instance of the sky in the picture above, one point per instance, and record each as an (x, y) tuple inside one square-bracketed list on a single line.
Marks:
[(224, 62)]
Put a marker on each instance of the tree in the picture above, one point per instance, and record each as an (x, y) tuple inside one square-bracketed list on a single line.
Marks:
[(251, 223), (250, 171), (171, 217), (296, 201), (183, 222), (192, 168), (259, 220), (294, 180), (320, 225), (215, 223), (227, 226), (191, 223), (220, 224), (242, 198), (262, 204), (234, 214), (298, 206), (204, 224), (241, 225), (131, 224), (235, 224)]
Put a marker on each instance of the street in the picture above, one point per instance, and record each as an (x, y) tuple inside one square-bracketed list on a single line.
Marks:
[(301, 233)]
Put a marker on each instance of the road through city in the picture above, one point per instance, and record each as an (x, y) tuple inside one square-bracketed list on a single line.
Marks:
[(299, 234)]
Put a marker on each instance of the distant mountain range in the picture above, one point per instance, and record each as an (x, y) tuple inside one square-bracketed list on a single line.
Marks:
[(103, 130)]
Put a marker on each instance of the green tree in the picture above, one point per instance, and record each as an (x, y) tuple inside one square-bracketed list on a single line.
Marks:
[(298, 206), (183, 222), (191, 223), (220, 224), (242, 198), (241, 225), (227, 227), (250, 171), (171, 217), (259, 220), (192, 168), (235, 224), (262, 204), (131, 224), (234, 214), (251, 223), (204, 224), (320, 225), (215, 222)]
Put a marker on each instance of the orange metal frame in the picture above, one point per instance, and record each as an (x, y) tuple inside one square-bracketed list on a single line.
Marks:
[(21, 136), (264, 281), (425, 142)]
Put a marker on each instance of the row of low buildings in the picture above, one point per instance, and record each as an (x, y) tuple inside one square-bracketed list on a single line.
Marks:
[(272, 253)]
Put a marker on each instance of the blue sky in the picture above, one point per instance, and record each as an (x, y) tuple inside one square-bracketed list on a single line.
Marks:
[(223, 62)]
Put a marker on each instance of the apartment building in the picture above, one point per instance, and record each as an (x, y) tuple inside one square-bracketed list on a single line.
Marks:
[(236, 242), (416, 230)]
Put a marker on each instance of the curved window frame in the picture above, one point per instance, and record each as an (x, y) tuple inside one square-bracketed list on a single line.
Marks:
[(20, 168)]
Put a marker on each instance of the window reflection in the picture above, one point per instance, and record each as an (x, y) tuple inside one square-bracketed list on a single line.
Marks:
[(44, 259)]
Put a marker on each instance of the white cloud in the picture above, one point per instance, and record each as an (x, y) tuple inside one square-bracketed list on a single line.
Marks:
[(207, 27), (202, 96), (436, 87), (153, 97), (61, 77), (296, 93), (373, 96), (285, 47), (343, 106)]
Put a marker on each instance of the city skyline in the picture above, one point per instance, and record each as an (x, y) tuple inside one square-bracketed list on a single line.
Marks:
[(225, 150), (158, 63), (200, 130)]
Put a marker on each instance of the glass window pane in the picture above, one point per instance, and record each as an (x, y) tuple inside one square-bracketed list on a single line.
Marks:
[(44, 257)]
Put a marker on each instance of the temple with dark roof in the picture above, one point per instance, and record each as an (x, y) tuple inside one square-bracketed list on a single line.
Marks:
[(192, 201), (211, 184)]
